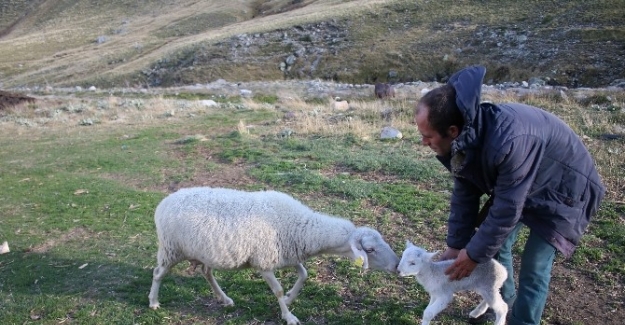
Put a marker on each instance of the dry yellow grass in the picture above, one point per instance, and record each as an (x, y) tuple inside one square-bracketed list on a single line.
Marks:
[(68, 114)]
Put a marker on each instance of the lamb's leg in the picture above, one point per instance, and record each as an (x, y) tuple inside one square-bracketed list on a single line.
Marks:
[(219, 294), (479, 310), (496, 302), (275, 286), (302, 275), (436, 305)]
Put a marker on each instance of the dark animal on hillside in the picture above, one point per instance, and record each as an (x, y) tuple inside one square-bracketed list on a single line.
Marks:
[(384, 90), (8, 99)]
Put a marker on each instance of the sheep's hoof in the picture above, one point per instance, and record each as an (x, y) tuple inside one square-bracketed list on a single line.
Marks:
[(155, 306)]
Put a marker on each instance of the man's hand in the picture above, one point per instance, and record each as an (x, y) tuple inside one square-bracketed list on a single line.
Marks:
[(462, 267), (449, 254)]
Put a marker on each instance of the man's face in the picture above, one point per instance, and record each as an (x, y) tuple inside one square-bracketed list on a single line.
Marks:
[(439, 143)]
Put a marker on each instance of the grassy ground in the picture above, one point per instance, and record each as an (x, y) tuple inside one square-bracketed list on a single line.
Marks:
[(78, 201)]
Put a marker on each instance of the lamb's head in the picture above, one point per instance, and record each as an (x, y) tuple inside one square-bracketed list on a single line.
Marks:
[(370, 250), (413, 259)]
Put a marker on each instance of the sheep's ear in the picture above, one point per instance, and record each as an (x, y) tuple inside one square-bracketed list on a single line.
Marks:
[(360, 257), (409, 244)]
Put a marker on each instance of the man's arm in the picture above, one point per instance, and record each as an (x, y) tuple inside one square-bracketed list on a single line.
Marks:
[(517, 164), (464, 206)]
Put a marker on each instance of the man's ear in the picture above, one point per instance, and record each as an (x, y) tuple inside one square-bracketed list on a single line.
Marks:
[(453, 131)]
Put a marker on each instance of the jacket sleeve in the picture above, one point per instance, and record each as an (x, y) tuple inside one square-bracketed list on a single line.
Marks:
[(465, 202), (516, 164)]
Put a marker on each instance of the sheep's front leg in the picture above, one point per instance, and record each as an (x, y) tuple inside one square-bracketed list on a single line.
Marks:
[(436, 305), (297, 287), (219, 294), (275, 286)]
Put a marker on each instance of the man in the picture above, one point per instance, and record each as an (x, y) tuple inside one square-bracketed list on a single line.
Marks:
[(536, 171)]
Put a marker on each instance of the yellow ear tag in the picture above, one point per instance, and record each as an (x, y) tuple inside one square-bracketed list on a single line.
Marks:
[(359, 261)]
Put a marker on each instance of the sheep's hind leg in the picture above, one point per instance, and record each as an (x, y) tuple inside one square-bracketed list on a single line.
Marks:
[(219, 294), (275, 286), (479, 310), (297, 287), (159, 273)]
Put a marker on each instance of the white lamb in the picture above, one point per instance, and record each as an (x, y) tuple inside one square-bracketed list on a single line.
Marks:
[(221, 228), (486, 279)]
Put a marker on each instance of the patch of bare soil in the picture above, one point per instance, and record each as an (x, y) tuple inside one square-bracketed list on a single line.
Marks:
[(72, 234), (225, 175), (9, 99), (576, 298)]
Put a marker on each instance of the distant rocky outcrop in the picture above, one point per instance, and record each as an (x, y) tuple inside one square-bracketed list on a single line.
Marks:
[(321, 50)]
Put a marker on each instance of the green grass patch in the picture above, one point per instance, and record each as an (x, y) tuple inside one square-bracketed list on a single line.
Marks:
[(78, 214)]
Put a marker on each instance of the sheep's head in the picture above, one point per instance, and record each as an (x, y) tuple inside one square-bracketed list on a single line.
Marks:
[(370, 250), (413, 259)]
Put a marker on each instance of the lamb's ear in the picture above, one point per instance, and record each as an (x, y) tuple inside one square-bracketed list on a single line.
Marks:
[(430, 256), (409, 244), (360, 257)]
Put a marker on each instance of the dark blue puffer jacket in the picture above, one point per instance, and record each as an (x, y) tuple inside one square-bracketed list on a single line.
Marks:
[(537, 168)]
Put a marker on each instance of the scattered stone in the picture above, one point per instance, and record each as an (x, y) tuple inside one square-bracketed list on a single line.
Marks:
[(390, 133), (286, 133), (86, 122), (340, 105), (208, 103), (4, 248)]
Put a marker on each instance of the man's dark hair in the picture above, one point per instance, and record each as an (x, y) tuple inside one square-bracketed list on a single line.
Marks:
[(442, 109)]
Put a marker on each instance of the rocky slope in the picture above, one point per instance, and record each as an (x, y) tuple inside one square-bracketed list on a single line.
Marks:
[(328, 50), (168, 43)]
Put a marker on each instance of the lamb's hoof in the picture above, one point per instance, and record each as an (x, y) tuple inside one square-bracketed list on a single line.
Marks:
[(155, 306), (291, 319), (487, 316), (227, 302)]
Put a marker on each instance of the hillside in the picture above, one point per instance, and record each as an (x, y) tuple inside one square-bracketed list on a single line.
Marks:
[(168, 43)]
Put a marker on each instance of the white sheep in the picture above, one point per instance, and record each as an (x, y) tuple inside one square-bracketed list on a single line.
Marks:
[(221, 228), (486, 279)]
